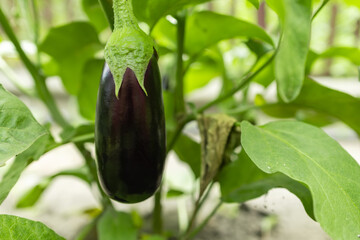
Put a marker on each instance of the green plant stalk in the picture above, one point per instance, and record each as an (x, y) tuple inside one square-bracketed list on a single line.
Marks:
[(42, 91), (157, 218), (34, 6), (320, 8), (199, 203), (203, 224), (179, 100), (108, 10), (246, 80)]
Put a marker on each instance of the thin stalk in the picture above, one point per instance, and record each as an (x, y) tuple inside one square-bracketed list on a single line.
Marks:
[(108, 10), (247, 79), (179, 86), (199, 203), (157, 217), (36, 29), (203, 224), (320, 8), (41, 88)]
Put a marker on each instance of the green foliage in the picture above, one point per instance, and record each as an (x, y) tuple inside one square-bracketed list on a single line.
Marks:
[(242, 180), (306, 154), (71, 56), (95, 14), (150, 11), (255, 3), (19, 129), (12, 227), (324, 100), (12, 175), (87, 96), (290, 62), (113, 223)]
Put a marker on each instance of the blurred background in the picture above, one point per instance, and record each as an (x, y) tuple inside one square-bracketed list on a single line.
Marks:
[(68, 204)]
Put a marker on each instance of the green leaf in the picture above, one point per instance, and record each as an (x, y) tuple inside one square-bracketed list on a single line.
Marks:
[(214, 132), (150, 11), (174, 193), (18, 128), (324, 100), (152, 237), (13, 227), (267, 75), (203, 28), (87, 95), (32, 196), (71, 45), (290, 61), (201, 73), (95, 14), (255, 3), (306, 154), (242, 180), (116, 225), (189, 152), (349, 53), (71, 133), (20, 163)]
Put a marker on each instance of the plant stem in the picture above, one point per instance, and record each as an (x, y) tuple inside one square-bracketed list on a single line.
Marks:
[(42, 91), (108, 10), (320, 8), (203, 224), (123, 13), (179, 101), (157, 217), (247, 79)]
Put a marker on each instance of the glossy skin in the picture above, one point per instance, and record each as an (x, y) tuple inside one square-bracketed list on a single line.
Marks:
[(130, 135)]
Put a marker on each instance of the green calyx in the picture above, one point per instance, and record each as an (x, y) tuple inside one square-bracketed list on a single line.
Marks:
[(128, 46)]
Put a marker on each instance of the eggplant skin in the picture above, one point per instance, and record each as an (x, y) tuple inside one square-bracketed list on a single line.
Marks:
[(130, 136)]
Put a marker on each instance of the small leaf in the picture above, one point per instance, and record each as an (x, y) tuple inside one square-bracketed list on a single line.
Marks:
[(12, 175), (214, 131), (33, 195), (290, 61), (18, 128), (174, 193), (87, 95), (71, 55), (306, 154), (13, 227), (116, 225)]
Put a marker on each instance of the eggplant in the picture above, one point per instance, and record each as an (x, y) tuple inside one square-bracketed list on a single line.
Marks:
[(130, 136)]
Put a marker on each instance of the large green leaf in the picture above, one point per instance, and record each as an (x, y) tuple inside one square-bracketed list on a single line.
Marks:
[(242, 180), (324, 100), (71, 45), (18, 128), (12, 175), (306, 154), (16, 228), (150, 11), (116, 225), (290, 62), (87, 95), (255, 3), (203, 28)]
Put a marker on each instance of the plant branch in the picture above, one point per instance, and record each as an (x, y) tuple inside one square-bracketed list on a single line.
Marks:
[(203, 224), (247, 79), (157, 217), (319, 9), (41, 88), (179, 101)]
